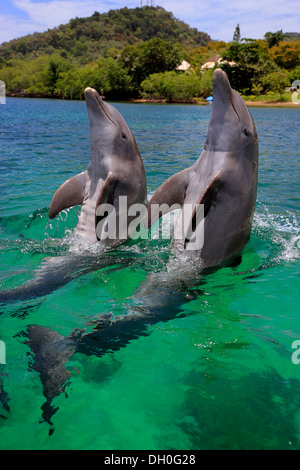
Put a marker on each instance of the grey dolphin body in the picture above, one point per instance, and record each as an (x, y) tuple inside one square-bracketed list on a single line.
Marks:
[(115, 169), (223, 179)]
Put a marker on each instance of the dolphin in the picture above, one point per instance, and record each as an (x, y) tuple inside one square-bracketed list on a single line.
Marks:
[(116, 169), (223, 180)]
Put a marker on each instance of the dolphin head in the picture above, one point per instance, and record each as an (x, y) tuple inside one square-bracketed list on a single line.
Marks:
[(231, 128), (112, 142)]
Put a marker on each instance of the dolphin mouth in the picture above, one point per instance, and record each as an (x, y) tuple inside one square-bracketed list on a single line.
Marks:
[(222, 90), (96, 103)]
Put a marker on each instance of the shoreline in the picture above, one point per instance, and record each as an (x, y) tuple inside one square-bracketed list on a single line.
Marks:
[(272, 104), (259, 103)]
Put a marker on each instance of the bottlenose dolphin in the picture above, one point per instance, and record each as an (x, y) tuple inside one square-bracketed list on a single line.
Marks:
[(223, 179), (115, 169)]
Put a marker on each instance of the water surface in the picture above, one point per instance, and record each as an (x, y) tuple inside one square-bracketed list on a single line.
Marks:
[(216, 370)]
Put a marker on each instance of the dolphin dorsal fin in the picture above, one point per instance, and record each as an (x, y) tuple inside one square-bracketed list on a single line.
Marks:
[(171, 192), (70, 193)]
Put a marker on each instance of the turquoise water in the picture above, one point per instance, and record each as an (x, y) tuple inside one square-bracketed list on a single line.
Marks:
[(214, 370)]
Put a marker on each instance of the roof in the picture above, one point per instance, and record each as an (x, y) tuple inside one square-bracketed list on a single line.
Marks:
[(183, 66)]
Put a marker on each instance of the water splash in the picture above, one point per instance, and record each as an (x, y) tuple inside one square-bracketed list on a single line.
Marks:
[(281, 231)]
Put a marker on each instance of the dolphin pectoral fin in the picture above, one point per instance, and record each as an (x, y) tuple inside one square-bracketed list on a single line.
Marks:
[(170, 193), (70, 193)]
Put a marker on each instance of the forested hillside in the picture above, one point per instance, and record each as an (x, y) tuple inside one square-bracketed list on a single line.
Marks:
[(133, 53), (83, 40)]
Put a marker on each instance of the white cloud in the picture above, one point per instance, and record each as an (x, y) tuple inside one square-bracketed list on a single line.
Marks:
[(56, 12), (219, 18), (12, 27)]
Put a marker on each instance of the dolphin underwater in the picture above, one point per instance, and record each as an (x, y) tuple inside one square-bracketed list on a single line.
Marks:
[(223, 179), (116, 169)]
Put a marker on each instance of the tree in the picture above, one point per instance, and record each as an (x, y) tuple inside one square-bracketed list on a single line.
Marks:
[(237, 34), (172, 87), (276, 81), (251, 64), (273, 39), (286, 54), (154, 56)]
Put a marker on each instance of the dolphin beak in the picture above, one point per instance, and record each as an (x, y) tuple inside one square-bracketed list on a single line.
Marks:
[(97, 108), (223, 93)]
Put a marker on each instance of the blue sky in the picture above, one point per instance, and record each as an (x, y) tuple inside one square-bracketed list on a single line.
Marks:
[(217, 18)]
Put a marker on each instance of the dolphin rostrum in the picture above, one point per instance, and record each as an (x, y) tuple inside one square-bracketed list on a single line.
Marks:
[(115, 169), (223, 179)]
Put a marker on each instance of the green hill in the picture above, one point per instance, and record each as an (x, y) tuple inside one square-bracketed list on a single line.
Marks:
[(84, 40)]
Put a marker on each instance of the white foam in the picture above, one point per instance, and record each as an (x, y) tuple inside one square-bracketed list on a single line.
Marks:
[(283, 230)]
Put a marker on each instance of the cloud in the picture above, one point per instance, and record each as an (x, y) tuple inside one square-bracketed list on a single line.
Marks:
[(53, 13), (12, 27), (219, 18)]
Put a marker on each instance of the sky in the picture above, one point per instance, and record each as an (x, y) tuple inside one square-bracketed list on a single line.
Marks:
[(217, 18)]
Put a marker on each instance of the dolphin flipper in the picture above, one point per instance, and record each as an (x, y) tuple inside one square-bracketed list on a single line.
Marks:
[(70, 193), (171, 192)]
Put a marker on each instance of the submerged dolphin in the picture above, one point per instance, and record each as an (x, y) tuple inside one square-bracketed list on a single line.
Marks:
[(223, 179), (115, 169)]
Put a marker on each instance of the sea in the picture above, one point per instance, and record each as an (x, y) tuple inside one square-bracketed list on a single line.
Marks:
[(205, 362)]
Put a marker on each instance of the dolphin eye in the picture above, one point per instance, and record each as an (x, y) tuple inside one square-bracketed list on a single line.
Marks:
[(246, 132), (124, 136)]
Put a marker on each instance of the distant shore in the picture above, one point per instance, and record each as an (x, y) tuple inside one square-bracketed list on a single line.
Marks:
[(272, 104), (258, 103), (261, 104)]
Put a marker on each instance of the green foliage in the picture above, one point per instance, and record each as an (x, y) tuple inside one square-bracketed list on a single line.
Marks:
[(276, 81), (154, 56), (171, 87), (251, 65), (132, 52), (273, 39), (294, 74), (83, 40), (286, 54)]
